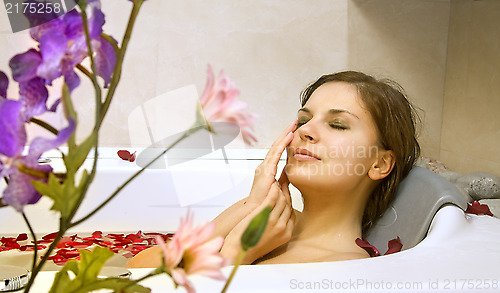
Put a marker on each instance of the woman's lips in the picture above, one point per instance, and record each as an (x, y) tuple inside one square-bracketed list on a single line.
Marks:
[(305, 155)]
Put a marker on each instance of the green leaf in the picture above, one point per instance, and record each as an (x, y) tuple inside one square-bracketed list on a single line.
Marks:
[(255, 229), (69, 111), (77, 154), (91, 262), (85, 277), (64, 194), (62, 280)]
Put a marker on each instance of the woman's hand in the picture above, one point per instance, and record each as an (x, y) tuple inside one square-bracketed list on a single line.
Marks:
[(265, 177), (278, 230), (265, 173)]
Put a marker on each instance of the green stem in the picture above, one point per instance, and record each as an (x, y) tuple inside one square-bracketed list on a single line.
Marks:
[(33, 236), (111, 41), (114, 194), (119, 58), (44, 125), (101, 109), (157, 271), (97, 88), (237, 263), (84, 70), (45, 257), (98, 107)]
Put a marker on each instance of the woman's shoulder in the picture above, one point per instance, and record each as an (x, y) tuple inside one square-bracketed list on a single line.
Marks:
[(305, 253)]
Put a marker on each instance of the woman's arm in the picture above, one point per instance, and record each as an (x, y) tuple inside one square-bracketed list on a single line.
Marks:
[(265, 176), (278, 230), (228, 219), (266, 191)]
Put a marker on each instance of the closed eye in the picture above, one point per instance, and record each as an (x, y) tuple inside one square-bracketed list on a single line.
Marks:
[(338, 126), (302, 121)]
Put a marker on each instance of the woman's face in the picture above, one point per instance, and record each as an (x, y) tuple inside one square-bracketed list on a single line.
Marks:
[(335, 143)]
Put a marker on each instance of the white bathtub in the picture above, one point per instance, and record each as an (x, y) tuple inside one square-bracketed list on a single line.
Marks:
[(460, 254)]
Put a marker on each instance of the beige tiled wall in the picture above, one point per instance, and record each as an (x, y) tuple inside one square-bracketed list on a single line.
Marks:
[(471, 121), (272, 49), (405, 40)]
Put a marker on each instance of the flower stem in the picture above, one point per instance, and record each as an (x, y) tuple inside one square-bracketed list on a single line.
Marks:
[(44, 125), (237, 263), (97, 88), (157, 271), (35, 242), (45, 257), (84, 70), (111, 41), (119, 60), (102, 108)]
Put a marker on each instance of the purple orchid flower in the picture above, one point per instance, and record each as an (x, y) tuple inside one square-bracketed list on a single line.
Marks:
[(33, 93), (20, 191), (4, 84), (62, 46)]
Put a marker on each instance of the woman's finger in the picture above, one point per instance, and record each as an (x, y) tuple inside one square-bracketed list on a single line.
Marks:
[(284, 185), (265, 174), (274, 154), (280, 203)]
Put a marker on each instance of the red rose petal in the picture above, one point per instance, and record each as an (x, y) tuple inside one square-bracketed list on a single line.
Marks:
[(30, 247), (68, 253), (50, 236), (394, 245), (115, 236), (126, 155), (122, 242), (97, 234), (8, 240), (68, 245), (12, 245), (22, 237), (478, 209), (132, 157), (372, 250)]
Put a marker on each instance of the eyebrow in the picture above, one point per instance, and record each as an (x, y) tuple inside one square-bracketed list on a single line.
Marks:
[(331, 111)]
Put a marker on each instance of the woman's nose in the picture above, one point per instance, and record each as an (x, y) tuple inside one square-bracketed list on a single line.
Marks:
[(307, 132)]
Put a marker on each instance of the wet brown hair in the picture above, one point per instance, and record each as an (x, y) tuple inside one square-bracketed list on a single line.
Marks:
[(396, 121)]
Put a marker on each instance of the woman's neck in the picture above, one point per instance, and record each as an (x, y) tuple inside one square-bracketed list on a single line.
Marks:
[(330, 218)]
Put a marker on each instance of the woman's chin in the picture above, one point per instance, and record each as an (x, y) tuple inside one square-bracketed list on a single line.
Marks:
[(303, 178)]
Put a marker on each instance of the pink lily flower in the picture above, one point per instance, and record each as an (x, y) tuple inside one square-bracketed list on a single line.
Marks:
[(191, 252), (219, 103)]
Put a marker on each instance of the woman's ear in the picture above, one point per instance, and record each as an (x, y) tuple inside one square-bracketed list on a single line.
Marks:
[(383, 165)]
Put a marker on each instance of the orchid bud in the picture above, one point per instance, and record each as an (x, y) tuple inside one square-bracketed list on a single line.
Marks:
[(255, 229)]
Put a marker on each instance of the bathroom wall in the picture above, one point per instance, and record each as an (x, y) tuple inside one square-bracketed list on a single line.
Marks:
[(273, 49), (405, 40), (471, 123)]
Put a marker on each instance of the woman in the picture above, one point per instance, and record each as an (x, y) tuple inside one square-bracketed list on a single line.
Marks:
[(352, 144)]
